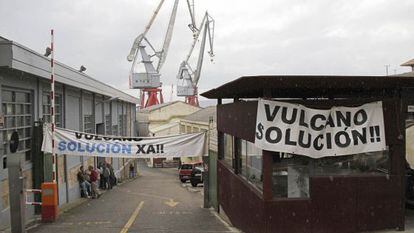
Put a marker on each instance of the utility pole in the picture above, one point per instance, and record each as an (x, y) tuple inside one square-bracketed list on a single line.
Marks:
[(386, 69), (172, 92)]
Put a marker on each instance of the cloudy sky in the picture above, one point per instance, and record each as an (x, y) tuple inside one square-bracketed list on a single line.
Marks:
[(251, 37)]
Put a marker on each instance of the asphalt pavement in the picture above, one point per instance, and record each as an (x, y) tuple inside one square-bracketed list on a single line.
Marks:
[(156, 201)]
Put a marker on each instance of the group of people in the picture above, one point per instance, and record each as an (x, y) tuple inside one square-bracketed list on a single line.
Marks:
[(90, 179)]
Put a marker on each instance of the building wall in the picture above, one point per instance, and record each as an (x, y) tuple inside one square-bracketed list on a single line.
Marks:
[(79, 110), (150, 120), (15, 83), (175, 110)]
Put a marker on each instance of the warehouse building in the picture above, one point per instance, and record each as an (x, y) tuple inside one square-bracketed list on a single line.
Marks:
[(82, 104)]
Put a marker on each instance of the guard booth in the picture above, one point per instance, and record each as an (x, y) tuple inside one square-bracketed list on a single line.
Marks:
[(270, 191)]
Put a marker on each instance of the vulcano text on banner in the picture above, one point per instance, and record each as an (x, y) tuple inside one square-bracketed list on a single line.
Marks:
[(296, 129)]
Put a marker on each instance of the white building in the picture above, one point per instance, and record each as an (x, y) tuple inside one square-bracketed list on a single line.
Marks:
[(161, 120)]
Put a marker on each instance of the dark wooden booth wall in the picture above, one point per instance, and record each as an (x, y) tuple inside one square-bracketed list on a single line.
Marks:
[(336, 204)]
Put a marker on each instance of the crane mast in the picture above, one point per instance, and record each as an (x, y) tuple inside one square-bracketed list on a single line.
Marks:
[(188, 78)]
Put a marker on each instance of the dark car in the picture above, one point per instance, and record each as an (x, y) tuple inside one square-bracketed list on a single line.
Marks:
[(196, 176)]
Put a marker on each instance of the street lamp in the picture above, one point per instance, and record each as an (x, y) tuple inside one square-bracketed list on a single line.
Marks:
[(48, 52), (82, 69)]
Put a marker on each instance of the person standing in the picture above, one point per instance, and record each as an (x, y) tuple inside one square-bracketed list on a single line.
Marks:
[(131, 170), (93, 179), (106, 174), (101, 177), (83, 183), (112, 177)]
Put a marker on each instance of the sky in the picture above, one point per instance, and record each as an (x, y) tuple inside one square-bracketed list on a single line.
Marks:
[(341, 37)]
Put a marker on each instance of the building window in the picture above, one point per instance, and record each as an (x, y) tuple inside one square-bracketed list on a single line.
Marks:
[(251, 163), (46, 108), (291, 173), (122, 124), (125, 125), (88, 124), (18, 116), (228, 149), (108, 124), (115, 130)]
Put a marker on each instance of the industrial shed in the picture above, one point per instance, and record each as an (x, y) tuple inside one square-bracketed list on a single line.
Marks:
[(82, 104)]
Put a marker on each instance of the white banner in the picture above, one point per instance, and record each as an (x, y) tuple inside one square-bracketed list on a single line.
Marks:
[(409, 144), (70, 142), (296, 129)]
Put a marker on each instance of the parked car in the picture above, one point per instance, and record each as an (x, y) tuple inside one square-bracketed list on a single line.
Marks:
[(185, 170), (196, 176)]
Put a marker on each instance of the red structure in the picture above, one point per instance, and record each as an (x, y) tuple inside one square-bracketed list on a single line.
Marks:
[(50, 208), (193, 99), (337, 201), (150, 97)]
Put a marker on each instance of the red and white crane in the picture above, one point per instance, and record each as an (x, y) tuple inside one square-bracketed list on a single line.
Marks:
[(143, 74), (187, 76)]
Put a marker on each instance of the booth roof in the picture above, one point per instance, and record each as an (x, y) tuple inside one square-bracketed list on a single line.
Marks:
[(308, 86)]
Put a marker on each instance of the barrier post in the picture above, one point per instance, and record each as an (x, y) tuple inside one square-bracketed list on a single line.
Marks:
[(49, 202)]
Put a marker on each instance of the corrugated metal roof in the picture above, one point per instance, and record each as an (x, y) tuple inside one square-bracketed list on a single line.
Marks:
[(164, 127), (19, 57), (408, 74), (305, 86), (203, 115), (159, 106), (163, 105)]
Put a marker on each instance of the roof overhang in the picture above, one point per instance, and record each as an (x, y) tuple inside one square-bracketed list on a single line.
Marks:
[(18, 57), (310, 86)]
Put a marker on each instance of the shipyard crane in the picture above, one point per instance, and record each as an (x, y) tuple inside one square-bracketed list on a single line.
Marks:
[(147, 79), (187, 76)]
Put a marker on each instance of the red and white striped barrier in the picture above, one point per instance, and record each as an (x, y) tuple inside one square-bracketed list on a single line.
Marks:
[(52, 103)]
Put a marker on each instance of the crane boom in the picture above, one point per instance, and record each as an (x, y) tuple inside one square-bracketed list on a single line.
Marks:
[(186, 74), (193, 25), (168, 37), (196, 36), (139, 38), (200, 58)]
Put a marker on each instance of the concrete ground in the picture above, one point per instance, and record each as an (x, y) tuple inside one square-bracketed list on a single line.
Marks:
[(409, 224), (154, 202)]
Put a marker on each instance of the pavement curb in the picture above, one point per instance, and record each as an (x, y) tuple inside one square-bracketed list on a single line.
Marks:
[(223, 219)]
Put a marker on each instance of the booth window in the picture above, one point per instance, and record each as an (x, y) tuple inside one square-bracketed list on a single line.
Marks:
[(251, 163), (228, 150), (291, 173)]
